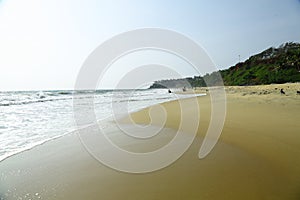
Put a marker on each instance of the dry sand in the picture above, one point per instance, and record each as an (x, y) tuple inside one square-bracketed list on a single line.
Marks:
[(257, 157)]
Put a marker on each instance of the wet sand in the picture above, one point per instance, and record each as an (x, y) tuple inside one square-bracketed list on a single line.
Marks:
[(257, 156)]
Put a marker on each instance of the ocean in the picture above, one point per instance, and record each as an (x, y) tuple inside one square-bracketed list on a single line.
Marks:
[(30, 118)]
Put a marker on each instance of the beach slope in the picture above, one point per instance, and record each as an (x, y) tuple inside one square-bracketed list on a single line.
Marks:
[(256, 157)]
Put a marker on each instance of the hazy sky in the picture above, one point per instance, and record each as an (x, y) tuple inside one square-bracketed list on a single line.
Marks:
[(43, 43)]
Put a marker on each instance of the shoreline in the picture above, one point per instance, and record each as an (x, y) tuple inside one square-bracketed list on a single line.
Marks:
[(255, 158), (107, 119)]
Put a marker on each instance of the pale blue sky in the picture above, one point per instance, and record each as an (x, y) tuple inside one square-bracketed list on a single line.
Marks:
[(43, 43)]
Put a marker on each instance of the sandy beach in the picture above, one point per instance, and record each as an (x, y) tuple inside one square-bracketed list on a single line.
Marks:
[(256, 157)]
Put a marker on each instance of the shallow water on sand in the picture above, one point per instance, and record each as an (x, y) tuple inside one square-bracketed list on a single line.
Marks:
[(30, 118)]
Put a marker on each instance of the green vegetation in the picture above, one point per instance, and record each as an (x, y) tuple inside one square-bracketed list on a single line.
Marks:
[(274, 65)]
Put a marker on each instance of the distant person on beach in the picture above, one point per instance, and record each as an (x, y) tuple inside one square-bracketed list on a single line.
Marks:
[(281, 91), (169, 91), (184, 89)]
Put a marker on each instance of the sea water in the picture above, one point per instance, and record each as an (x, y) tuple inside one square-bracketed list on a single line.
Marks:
[(30, 118)]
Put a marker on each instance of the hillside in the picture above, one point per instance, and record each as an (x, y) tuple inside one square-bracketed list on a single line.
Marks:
[(274, 65)]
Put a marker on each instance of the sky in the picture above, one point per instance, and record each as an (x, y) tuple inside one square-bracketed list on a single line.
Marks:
[(43, 43)]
